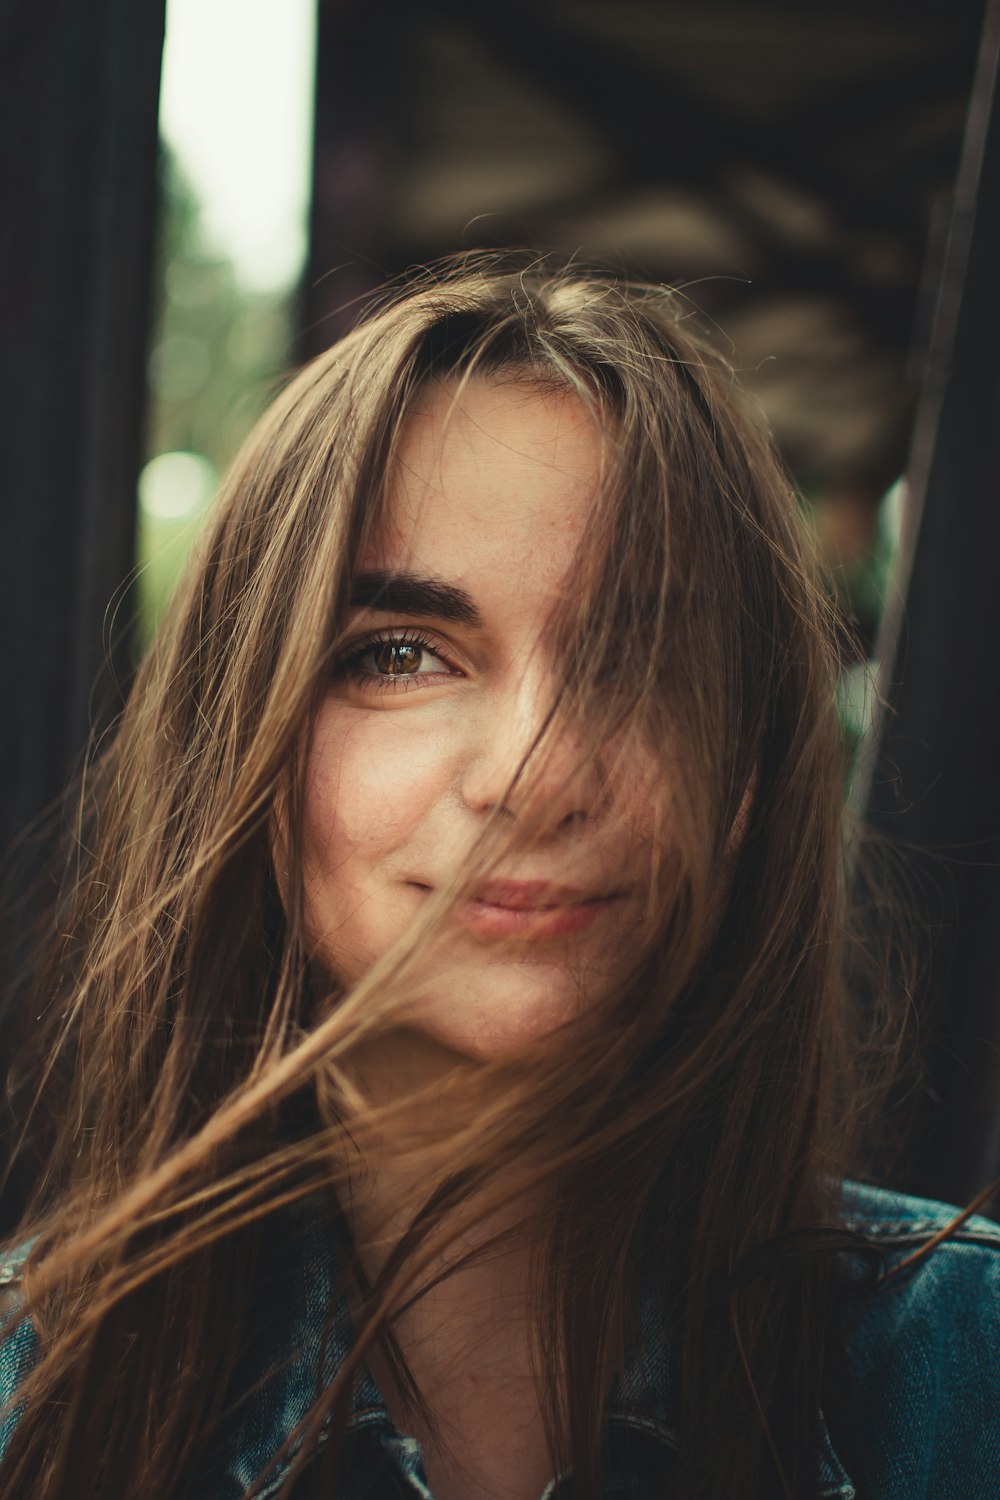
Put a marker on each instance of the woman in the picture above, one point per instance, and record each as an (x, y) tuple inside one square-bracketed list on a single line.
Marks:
[(452, 1067)]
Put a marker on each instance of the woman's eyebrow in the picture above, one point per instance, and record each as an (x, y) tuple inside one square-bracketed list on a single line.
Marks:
[(411, 594)]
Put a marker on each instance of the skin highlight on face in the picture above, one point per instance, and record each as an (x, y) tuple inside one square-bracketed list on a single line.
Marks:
[(437, 698)]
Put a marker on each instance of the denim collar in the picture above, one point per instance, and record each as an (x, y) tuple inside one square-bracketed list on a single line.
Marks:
[(642, 1405)]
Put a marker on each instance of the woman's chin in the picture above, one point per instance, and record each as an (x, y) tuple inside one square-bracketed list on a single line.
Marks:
[(497, 1017)]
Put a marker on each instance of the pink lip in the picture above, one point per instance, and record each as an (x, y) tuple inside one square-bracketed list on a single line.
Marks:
[(531, 909)]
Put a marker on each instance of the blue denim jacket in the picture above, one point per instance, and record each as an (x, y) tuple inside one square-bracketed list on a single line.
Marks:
[(923, 1349)]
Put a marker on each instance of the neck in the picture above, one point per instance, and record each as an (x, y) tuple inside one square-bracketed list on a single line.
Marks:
[(478, 1280), (474, 1322), (467, 1342)]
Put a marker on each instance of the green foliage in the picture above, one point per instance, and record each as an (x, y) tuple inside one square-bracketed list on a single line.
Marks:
[(218, 353)]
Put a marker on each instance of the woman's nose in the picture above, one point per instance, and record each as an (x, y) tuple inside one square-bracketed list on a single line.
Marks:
[(529, 764)]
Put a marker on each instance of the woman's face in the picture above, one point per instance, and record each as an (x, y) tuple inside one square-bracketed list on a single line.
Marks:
[(438, 696)]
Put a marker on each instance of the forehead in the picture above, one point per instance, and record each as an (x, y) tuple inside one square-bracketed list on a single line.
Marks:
[(497, 478)]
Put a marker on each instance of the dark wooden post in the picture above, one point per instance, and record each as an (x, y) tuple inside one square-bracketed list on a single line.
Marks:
[(362, 131), (935, 784), (80, 90)]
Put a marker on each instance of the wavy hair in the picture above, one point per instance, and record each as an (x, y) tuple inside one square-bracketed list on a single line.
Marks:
[(190, 1062)]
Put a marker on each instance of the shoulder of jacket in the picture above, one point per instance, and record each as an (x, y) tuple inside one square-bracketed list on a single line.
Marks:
[(901, 1221), (18, 1344), (921, 1336), (12, 1262), (927, 1292)]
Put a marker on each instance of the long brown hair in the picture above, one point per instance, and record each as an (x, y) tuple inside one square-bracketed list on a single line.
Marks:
[(190, 1053)]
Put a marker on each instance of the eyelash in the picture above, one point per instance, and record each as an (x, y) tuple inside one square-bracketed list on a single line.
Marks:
[(349, 667)]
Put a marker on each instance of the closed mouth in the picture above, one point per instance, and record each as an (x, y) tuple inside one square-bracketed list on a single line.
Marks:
[(531, 909), (533, 895)]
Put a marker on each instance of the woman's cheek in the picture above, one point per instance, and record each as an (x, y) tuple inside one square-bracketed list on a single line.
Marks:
[(372, 781)]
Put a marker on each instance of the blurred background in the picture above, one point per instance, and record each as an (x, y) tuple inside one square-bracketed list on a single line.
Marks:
[(199, 194)]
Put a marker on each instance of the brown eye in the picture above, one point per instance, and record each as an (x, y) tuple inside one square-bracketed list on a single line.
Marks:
[(392, 661), (396, 658)]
